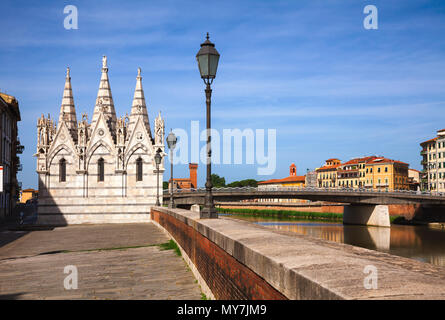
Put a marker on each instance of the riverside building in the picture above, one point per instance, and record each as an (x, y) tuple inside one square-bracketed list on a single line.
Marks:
[(433, 162)]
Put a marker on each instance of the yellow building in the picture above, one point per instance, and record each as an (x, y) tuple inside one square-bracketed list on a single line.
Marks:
[(370, 172), (292, 181), (28, 194), (386, 174), (362, 171), (327, 175)]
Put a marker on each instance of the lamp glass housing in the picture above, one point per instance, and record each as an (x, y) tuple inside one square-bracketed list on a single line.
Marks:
[(158, 158), (208, 58), (171, 140)]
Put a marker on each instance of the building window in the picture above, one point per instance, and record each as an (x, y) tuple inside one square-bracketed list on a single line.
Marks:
[(100, 170), (62, 170), (139, 169), (378, 170), (386, 169)]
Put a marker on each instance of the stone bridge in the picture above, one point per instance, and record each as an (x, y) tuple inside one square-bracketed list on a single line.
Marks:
[(368, 207)]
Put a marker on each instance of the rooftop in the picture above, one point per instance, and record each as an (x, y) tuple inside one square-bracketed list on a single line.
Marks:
[(12, 102), (285, 180), (431, 140)]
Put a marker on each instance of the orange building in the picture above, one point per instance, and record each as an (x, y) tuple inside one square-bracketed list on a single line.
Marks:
[(187, 183)]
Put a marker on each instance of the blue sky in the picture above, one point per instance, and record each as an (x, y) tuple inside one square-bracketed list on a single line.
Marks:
[(308, 69)]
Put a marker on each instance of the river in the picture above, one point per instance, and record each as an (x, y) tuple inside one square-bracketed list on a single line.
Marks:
[(416, 242)]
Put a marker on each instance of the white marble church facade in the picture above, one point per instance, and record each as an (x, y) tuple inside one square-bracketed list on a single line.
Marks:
[(98, 172)]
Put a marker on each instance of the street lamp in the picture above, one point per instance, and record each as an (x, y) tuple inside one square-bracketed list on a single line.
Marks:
[(208, 58), (171, 142), (158, 159)]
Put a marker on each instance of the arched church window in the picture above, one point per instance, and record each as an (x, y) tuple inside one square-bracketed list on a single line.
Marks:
[(139, 172), (100, 170), (62, 170)]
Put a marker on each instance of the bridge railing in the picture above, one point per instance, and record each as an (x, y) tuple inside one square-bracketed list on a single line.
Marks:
[(307, 189)]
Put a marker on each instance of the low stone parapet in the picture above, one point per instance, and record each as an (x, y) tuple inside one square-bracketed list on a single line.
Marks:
[(239, 260)]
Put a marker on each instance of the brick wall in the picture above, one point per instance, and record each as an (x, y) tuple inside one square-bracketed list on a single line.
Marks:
[(409, 211), (319, 208), (226, 277)]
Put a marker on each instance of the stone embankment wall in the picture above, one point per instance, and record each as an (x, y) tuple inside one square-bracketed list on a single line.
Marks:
[(235, 259)]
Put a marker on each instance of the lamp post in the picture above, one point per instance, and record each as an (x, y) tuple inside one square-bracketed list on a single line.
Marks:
[(171, 142), (208, 58), (158, 159)]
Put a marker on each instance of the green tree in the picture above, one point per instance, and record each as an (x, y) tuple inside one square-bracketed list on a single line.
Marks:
[(217, 181), (165, 185), (243, 183)]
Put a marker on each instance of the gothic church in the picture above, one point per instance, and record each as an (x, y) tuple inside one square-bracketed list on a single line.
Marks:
[(103, 171)]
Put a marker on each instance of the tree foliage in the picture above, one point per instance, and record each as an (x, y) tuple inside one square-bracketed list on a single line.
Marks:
[(243, 183), (220, 182), (217, 181)]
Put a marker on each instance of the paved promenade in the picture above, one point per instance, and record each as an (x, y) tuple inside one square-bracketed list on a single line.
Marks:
[(113, 262)]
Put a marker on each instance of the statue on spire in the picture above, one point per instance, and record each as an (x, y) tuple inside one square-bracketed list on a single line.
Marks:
[(159, 130), (104, 62)]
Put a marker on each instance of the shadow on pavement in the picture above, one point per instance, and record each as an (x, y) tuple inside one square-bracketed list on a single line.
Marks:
[(13, 296)]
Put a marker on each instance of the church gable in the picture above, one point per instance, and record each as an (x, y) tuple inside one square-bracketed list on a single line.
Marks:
[(62, 140), (100, 135), (139, 139)]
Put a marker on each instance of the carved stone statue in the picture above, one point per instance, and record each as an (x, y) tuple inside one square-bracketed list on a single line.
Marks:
[(40, 135), (44, 135), (159, 130), (104, 62)]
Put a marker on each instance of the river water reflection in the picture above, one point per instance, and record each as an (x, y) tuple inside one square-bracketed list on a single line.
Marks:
[(417, 242)]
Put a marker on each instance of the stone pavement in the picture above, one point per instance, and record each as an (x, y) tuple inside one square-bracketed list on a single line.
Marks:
[(113, 262)]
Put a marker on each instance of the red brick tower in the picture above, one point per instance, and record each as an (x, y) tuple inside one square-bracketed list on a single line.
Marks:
[(193, 167), (293, 170)]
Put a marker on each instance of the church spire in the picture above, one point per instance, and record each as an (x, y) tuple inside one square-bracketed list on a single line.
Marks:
[(139, 106), (67, 110), (104, 100)]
